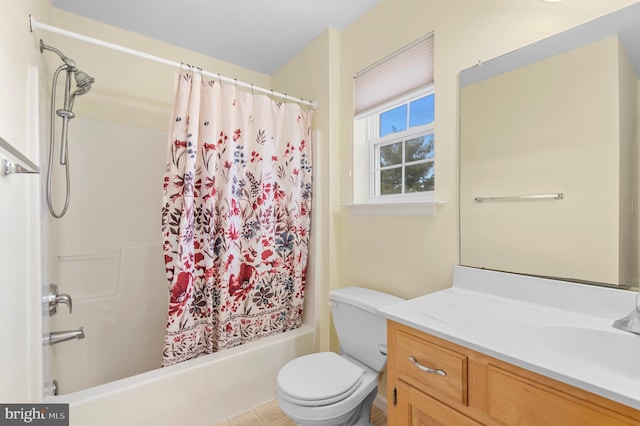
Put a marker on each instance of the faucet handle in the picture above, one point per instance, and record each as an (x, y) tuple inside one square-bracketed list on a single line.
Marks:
[(52, 299), (66, 299)]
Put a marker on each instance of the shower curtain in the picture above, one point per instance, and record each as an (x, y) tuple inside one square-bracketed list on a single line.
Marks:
[(235, 217)]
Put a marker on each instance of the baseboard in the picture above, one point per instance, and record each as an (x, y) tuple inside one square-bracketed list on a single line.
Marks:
[(381, 402)]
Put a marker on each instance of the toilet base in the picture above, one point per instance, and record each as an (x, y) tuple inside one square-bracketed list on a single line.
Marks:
[(360, 416), (365, 409)]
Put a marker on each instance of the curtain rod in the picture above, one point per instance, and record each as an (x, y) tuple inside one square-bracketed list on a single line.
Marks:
[(34, 25)]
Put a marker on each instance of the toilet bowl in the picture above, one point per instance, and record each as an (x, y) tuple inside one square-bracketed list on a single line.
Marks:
[(335, 390), (332, 389)]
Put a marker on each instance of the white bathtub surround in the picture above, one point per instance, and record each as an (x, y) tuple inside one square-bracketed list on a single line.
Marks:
[(121, 301), (558, 329), (106, 253)]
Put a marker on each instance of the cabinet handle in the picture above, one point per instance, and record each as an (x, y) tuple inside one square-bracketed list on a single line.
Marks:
[(427, 369)]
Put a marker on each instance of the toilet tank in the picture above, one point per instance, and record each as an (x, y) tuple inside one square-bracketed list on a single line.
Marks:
[(362, 331)]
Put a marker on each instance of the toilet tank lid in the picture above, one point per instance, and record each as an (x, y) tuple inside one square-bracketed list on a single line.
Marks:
[(365, 298)]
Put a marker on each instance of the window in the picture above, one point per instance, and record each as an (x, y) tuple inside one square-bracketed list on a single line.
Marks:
[(394, 140), (402, 149)]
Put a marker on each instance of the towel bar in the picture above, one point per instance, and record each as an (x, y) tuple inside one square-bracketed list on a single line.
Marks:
[(19, 164), (553, 196)]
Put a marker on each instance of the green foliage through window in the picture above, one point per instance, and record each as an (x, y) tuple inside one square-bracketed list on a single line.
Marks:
[(404, 148), (414, 159)]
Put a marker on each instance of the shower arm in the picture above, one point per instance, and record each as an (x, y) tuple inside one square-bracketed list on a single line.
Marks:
[(69, 62)]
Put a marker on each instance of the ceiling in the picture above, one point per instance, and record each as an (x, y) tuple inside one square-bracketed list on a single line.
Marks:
[(261, 35)]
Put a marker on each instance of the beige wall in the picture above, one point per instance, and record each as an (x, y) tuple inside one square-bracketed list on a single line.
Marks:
[(313, 74), (410, 256), (414, 256)]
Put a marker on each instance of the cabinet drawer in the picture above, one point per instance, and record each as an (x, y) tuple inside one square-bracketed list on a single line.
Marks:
[(414, 353)]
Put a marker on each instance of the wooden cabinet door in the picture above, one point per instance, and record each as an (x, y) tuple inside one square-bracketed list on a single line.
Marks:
[(515, 400), (417, 409)]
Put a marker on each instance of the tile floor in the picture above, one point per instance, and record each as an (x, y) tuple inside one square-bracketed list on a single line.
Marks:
[(270, 414)]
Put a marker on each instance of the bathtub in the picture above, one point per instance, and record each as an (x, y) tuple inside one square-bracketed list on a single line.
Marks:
[(201, 391)]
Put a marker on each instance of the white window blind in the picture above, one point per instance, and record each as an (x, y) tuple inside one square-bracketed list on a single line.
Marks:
[(394, 76)]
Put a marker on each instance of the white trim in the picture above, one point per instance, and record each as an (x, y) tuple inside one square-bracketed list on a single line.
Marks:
[(381, 402), (409, 197), (392, 103), (376, 142)]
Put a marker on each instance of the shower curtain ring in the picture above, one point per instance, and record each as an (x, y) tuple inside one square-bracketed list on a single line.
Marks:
[(187, 68)]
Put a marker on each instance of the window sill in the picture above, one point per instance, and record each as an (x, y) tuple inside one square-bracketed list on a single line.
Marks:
[(413, 208)]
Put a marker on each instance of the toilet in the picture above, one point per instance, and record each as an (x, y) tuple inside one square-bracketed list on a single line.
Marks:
[(330, 389)]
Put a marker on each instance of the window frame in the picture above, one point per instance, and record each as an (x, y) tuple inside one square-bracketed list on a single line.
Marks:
[(375, 142)]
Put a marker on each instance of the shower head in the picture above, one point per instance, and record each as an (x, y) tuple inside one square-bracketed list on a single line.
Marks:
[(83, 82), (83, 79), (83, 85)]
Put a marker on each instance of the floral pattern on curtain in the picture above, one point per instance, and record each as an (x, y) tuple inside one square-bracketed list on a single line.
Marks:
[(235, 217)]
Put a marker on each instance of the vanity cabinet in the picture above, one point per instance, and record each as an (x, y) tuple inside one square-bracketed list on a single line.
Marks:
[(432, 381)]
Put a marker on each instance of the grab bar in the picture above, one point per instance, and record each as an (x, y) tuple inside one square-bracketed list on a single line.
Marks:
[(553, 196), (20, 163)]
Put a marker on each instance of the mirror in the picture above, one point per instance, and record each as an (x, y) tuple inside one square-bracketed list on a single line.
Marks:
[(549, 156)]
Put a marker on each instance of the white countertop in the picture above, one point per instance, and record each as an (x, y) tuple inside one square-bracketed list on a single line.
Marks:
[(511, 317)]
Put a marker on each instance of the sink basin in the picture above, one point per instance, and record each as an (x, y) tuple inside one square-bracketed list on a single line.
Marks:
[(612, 350)]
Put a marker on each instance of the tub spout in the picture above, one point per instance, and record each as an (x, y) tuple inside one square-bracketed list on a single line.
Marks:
[(63, 336)]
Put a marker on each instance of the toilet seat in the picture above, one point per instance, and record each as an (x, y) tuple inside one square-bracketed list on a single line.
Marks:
[(319, 379)]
